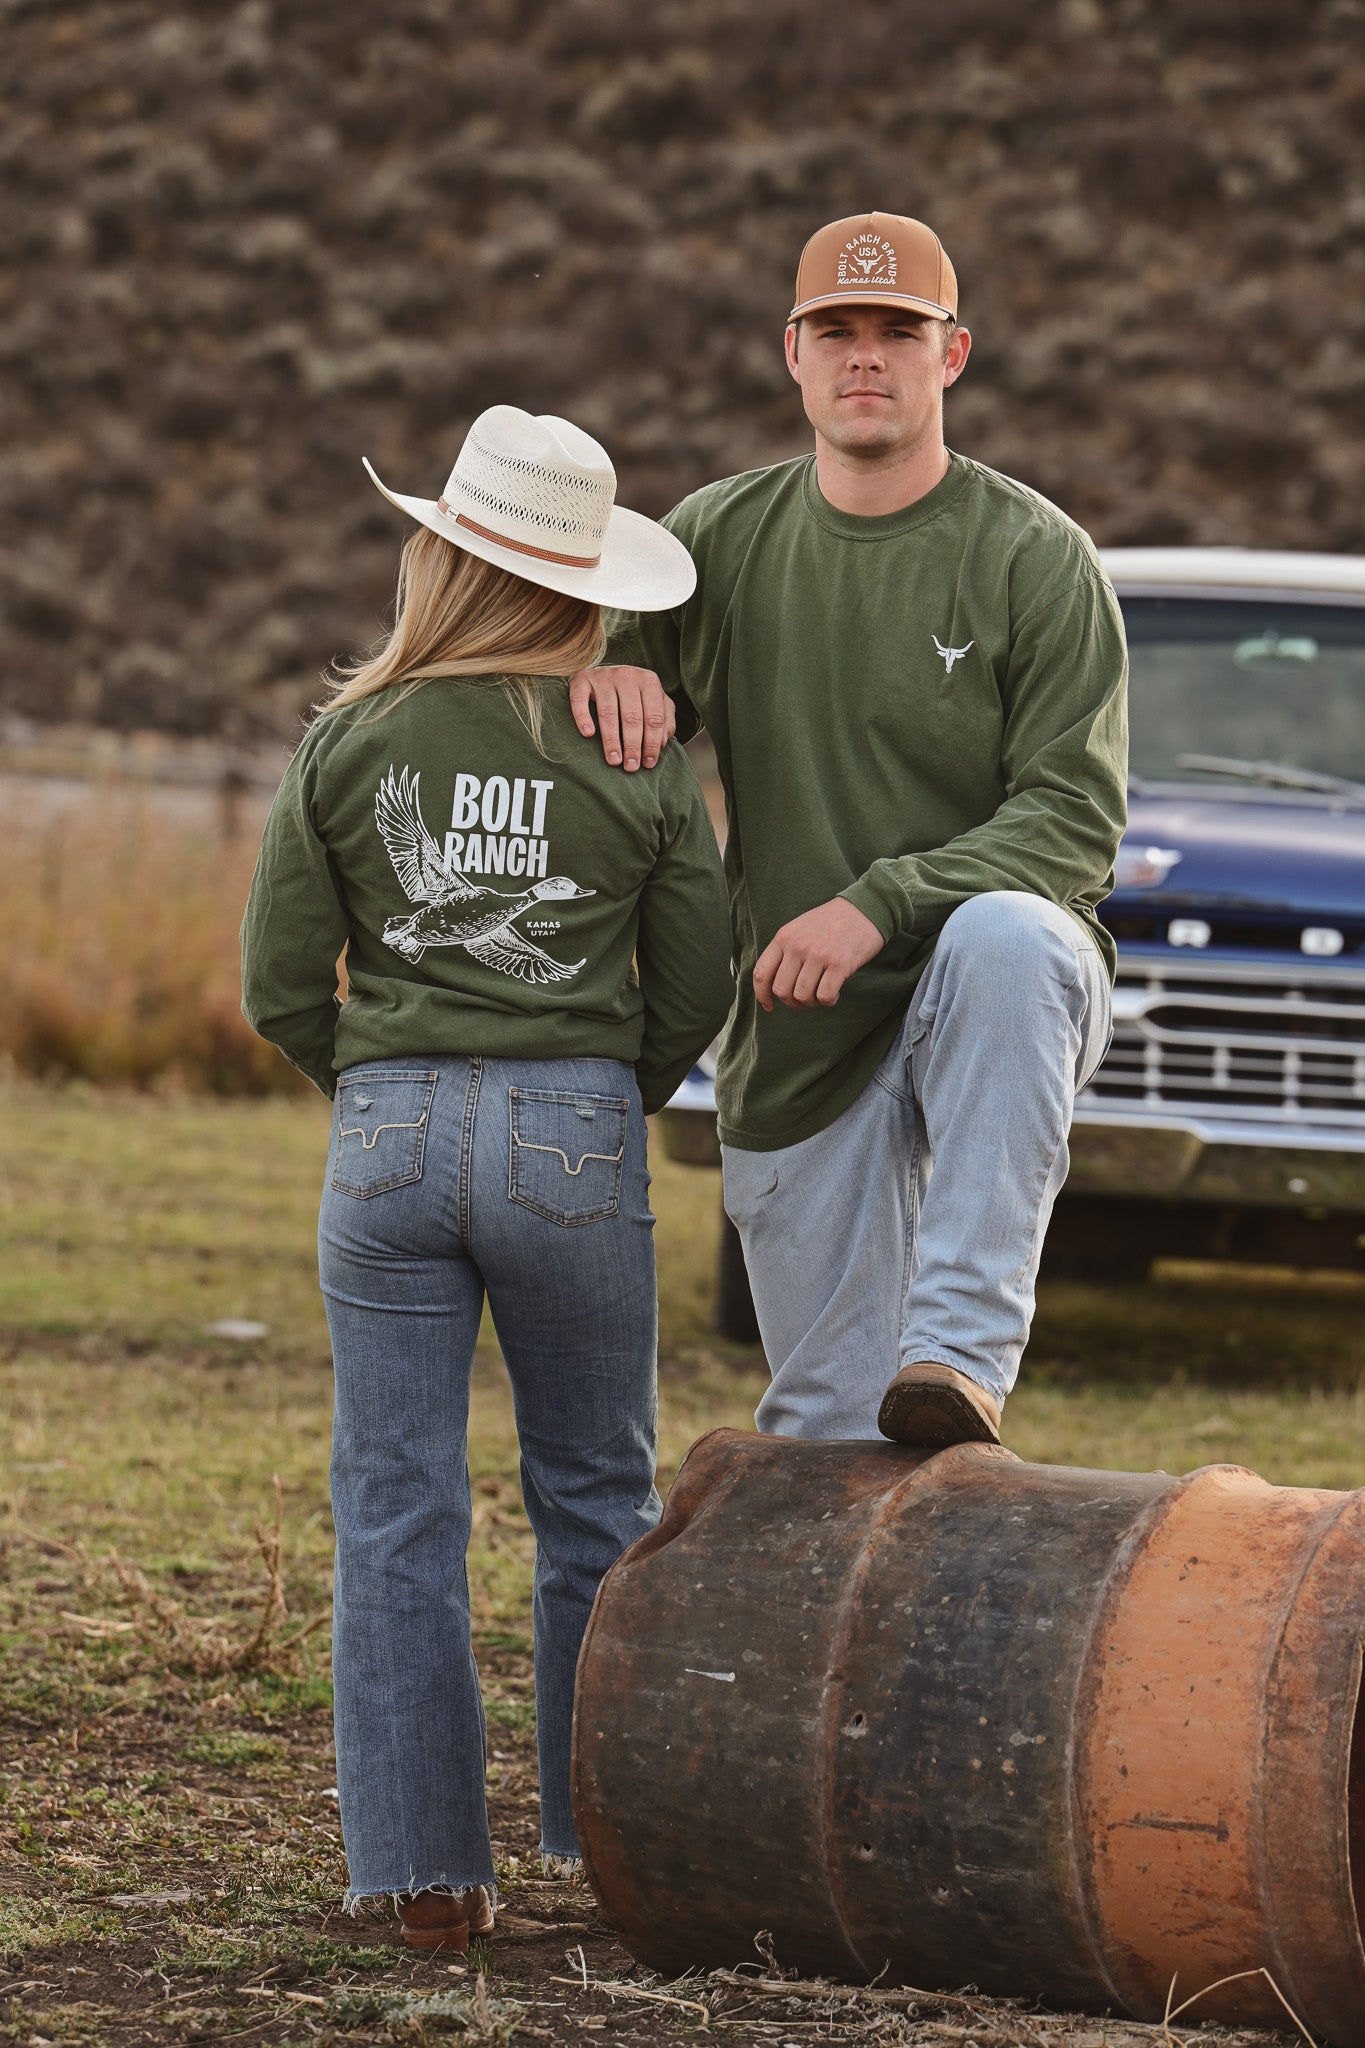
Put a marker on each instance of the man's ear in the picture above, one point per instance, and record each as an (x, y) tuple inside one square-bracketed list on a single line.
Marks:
[(955, 361), (791, 342)]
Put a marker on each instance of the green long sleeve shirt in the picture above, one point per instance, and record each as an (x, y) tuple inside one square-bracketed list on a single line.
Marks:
[(907, 711), (489, 898)]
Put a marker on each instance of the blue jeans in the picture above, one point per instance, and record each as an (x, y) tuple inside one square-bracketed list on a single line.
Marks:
[(448, 1179), (910, 1229)]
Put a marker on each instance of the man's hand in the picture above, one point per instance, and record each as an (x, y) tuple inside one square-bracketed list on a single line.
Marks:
[(635, 716), (810, 959)]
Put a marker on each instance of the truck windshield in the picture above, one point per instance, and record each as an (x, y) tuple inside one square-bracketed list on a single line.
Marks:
[(1257, 683)]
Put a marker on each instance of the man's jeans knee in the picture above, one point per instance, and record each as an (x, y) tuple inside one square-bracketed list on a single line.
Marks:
[(910, 1229)]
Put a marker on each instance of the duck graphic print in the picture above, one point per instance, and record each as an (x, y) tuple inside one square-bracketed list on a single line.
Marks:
[(451, 908)]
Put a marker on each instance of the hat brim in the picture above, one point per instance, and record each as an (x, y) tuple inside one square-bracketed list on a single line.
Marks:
[(902, 301), (642, 567)]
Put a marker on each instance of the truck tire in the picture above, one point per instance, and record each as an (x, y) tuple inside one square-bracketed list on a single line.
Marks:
[(1110, 1265), (735, 1318), (1103, 1240)]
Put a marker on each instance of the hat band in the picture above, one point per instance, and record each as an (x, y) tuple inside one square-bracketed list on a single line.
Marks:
[(519, 547), (852, 295)]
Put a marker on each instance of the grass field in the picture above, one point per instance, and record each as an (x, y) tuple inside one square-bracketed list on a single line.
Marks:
[(118, 922), (172, 1864)]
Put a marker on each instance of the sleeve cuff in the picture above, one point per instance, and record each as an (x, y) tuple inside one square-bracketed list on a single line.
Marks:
[(871, 897)]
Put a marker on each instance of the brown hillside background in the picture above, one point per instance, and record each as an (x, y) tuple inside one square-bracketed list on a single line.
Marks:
[(241, 246)]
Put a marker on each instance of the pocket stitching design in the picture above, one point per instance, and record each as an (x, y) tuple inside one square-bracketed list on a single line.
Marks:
[(608, 1158), (368, 1144), (564, 1098), (426, 1078)]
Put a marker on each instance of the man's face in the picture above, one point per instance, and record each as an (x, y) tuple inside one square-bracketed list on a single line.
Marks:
[(872, 378)]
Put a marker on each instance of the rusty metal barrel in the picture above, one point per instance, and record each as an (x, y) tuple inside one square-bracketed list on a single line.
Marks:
[(959, 1719)]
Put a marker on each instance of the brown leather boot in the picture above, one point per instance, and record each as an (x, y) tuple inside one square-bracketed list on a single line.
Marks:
[(443, 1920), (933, 1406)]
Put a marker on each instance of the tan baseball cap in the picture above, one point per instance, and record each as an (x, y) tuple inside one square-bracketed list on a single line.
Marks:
[(876, 259)]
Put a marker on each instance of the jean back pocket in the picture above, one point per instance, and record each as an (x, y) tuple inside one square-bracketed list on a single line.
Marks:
[(567, 1152), (381, 1129)]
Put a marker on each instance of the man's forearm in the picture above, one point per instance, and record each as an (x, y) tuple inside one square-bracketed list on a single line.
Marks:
[(1045, 845)]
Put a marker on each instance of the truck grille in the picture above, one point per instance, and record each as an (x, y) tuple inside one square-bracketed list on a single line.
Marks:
[(1240, 1042)]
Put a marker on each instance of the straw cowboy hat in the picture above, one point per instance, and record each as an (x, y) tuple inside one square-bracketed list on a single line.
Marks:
[(537, 495)]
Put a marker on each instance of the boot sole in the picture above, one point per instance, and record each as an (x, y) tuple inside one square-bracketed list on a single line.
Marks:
[(931, 1418), (448, 1939), (453, 1939)]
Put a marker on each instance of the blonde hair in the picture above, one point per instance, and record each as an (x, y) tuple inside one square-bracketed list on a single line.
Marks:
[(457, 615)]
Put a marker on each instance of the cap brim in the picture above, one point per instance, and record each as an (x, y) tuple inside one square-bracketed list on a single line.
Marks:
[(903, 301), (642, 568)]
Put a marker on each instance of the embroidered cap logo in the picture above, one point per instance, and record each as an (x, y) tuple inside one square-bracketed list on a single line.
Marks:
[(867, 259)]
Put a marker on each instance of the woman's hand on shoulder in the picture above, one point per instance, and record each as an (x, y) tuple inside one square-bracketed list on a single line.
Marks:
[(635, 715)]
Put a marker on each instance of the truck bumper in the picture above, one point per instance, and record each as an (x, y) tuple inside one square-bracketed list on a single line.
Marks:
[(1194, 1159), (1249, 1163)]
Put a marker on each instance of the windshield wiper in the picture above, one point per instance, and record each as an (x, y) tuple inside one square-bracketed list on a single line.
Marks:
[(1278, 774)]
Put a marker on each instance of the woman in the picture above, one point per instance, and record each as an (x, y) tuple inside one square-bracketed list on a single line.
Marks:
[(491, 881)]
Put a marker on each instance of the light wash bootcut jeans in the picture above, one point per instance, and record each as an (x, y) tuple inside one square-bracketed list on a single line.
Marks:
[(910, 1229), (448, 1179)]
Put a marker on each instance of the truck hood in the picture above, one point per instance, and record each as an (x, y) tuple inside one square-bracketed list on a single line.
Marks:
[(1252, 851)]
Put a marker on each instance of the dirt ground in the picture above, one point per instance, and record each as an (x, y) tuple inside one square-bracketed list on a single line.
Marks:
[(170, 1857), (235, 1933)]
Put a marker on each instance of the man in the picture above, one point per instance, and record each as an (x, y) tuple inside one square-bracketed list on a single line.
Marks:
[(913, 671)]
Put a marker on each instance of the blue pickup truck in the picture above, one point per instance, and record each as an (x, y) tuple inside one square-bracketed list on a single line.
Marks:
[(1227, 1120)]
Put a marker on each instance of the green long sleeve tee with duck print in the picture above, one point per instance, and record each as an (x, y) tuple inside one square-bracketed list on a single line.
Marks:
[(908, 711), (489, 898)]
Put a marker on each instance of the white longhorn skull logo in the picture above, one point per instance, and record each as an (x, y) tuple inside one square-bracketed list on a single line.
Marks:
[(951, 654)]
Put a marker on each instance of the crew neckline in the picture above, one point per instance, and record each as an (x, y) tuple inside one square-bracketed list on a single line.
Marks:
[(885, 525)]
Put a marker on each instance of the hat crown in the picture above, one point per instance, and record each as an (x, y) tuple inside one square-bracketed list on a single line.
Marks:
[(535, 480), (884, 259)]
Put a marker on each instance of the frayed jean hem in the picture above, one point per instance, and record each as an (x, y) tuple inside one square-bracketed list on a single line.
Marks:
[(363, 1895)]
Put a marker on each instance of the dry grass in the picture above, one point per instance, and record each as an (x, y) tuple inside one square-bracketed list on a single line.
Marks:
[(168, 1848), (899, 2016), (118, 924), (170, 1867), (206, 1645)]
